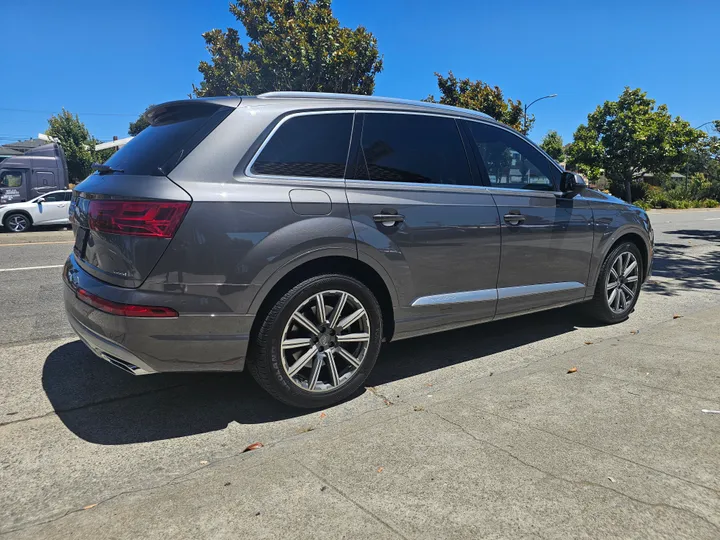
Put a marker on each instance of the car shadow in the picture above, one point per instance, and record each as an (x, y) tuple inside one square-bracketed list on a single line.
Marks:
[(103, 405), (698, 271)]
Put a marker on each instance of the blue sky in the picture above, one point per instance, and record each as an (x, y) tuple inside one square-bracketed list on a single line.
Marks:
[(115, 58)]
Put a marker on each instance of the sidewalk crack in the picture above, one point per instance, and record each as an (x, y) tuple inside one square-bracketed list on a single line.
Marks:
[(586, 483), (350, 499)]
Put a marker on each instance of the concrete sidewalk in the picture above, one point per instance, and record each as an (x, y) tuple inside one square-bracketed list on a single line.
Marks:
[(619, 448)]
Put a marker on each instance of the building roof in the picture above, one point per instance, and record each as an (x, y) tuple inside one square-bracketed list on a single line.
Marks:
[(20, 147)]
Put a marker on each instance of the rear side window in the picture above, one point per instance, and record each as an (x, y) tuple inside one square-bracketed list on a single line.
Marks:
[(412, 148), (314, 145), (172, 135)]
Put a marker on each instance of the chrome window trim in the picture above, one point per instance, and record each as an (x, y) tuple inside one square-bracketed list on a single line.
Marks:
[(412, 186), (248, 169), (484, 295)]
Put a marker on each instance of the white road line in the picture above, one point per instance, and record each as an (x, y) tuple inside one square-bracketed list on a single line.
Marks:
[(712, 219), (30, 268)]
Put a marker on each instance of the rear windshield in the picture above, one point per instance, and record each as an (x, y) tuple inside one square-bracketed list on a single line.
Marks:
[(174, 132)]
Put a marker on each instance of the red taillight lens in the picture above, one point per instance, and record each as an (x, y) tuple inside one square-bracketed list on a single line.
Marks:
[(125, 310), (157, 219)]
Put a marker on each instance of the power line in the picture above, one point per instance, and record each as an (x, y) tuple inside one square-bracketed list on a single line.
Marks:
[(55, 112)]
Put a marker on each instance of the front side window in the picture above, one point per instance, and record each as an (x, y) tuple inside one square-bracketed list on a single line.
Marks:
[(11, 179), (511, 162), (309, 146), (58, 196), (412, 148)]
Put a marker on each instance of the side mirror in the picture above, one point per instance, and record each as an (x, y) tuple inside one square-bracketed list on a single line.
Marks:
[(571, 182)]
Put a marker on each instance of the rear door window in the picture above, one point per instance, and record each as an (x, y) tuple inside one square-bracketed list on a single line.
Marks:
[(172, 135), (308, 146), (413, 148)]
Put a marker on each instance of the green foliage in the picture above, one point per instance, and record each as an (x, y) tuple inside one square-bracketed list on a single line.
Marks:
[(480, 96), (141, 123), (698, 194), (78, 145), (552, 143), (293, 45), (630, 136), (76, 142)]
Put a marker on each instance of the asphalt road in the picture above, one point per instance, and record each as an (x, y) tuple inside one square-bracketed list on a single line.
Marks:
[(75, 432)]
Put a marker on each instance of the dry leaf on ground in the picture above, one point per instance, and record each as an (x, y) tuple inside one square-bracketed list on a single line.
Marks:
[(588, 343), (572, 370), (323, 415), (89, 506), (676, 316), (253, 446), (381, 469)]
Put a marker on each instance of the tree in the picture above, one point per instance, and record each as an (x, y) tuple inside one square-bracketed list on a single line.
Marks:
[(480, 96), (76, 142), (141, 123), (552, 143), (629, 137), (293, 45)]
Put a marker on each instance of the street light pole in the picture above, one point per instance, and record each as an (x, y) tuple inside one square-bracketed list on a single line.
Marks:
[(687, 164), (525, 126)]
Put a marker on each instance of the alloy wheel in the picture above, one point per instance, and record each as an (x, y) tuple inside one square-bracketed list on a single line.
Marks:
[(325, 341), (622, 282), (17, 223)]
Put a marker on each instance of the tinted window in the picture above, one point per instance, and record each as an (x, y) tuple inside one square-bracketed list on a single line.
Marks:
[(412, 148), (174, 132), (68, 195), (54, 197), (511, 162), (309, 146), (11, 179)]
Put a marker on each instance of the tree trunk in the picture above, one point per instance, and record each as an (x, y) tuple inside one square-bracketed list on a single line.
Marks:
[(628, 190)]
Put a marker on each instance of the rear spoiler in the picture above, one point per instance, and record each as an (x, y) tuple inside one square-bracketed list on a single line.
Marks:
[(160, 113)]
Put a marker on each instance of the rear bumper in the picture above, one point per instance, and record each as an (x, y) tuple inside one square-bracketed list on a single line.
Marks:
[(190, 342)]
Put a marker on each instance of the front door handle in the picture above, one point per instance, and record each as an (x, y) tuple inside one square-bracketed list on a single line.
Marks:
[(388, 219), (514, 219)]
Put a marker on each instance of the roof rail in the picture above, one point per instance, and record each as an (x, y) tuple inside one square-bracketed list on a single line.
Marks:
[(377, 99)]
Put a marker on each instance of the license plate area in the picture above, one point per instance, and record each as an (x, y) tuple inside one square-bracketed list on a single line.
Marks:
[(81, 238)]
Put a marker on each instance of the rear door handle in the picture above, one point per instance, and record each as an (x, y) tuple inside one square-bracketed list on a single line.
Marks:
[(388, 219), (514, 219)]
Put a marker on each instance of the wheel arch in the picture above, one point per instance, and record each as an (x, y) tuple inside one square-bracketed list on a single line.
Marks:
[(624, 236), (13, 212), (333, 264)]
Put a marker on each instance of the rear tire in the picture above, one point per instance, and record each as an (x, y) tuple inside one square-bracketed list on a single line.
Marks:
[(16, 223), (618, 285), (318, 343)]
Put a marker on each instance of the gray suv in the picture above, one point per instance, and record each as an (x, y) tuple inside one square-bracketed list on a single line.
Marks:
[(292, 233)]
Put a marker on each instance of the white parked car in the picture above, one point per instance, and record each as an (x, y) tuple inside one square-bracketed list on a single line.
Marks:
[(52, 208)]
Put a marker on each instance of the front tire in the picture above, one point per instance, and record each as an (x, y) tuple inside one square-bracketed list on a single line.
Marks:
[(618, 285), (318, 343), (17, 223)]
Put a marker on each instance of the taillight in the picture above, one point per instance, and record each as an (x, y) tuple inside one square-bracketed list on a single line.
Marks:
[(157, 219), (125, 310)]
